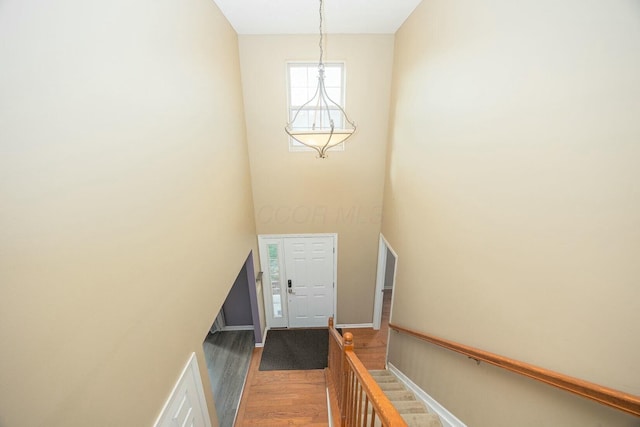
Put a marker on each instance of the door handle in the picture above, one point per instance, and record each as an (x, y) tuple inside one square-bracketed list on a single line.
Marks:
[(291, 291), (289, 286)]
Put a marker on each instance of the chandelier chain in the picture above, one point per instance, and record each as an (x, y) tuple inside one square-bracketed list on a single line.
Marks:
[(321, 123), (320, 44)]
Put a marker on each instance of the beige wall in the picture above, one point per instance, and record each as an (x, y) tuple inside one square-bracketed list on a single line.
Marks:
[(126, 208), (512, 200), (296, 192)]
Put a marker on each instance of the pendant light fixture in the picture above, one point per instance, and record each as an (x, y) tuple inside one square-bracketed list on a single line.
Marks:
[(328, 124)]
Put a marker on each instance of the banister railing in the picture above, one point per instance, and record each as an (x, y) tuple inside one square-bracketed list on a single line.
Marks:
[(336, 368), (358, 399), (604, 395)]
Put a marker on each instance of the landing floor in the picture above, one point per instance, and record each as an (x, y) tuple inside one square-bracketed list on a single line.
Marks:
[(283, 398), (298, 398)]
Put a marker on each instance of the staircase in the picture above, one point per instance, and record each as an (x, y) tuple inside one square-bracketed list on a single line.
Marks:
[(414, 412), (359, 397)]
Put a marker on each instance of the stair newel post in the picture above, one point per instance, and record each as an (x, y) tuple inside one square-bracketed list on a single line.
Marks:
[(346, 372)]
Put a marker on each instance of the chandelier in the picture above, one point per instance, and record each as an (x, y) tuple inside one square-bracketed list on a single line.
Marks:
[(328, 124)]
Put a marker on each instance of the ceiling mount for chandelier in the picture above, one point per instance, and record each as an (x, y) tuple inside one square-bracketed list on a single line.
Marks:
[(329, 124)]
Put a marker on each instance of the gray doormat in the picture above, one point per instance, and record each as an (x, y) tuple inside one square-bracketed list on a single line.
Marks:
[(295, 349)]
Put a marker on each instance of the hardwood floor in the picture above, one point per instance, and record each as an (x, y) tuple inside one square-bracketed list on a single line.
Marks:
[(298, 398), (283, 398), (371, 345), (228, 355)]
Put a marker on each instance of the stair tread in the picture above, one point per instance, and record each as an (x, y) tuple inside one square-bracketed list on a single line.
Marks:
[(383, 376), (414, 412), (412, 420), (410, 407), (399, 395), (385, 379), (422, 420), (381, 372), (391, 386), (404, 406)]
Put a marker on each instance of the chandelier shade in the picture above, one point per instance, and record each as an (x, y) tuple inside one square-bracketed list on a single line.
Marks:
[(320, 123), (315, 139)]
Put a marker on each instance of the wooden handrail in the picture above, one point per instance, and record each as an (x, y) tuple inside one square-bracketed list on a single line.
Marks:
[(336, 335), (355, 397), (379, 400), (604, 395), (335, 374)]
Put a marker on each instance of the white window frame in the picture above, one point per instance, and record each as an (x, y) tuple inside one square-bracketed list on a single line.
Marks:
[(295, 146)]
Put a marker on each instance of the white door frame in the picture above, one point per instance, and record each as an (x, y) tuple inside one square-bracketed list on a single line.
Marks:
[(383, 246), (264, 267)]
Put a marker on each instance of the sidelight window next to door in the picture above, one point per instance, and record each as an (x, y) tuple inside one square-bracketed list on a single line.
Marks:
[(273, 250), (299, 274)]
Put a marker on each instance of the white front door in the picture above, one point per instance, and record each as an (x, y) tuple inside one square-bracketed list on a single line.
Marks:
[(298, 279), (309, 267)]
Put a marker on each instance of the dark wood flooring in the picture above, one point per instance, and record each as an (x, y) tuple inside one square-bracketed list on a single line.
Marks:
[(228, 354)]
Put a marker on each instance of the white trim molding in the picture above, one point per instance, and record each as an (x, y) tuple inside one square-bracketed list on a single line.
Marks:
[(446, 417), (238, 328), (264, 338), (329, 408), (355, 325), (186, 403), (381, 271)]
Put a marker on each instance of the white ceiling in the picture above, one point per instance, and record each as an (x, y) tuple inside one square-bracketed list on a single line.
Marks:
[(301, 16)]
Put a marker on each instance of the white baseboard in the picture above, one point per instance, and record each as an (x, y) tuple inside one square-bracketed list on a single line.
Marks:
[(244, 384), (238, 328), (446, 417), (264, 338), (329, 408), (355, 325)]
